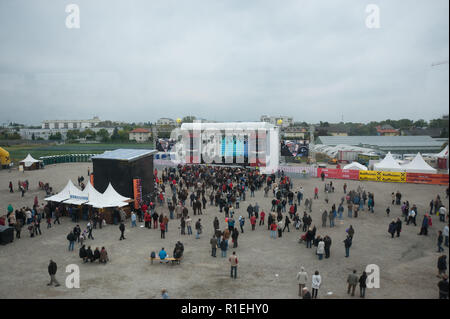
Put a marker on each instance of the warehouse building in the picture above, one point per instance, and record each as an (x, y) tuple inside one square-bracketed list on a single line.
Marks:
[(393, 144)]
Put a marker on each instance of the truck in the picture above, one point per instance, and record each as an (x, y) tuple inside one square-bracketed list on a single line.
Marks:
[(364, 158), (5, 160)]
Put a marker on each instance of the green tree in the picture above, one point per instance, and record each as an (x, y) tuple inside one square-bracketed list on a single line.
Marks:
[(73, 134), (188, 119), (115, 135), (103, 135), (55, 137), (420, 123)]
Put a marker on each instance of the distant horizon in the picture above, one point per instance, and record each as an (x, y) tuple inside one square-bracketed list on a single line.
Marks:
[(154, 121)]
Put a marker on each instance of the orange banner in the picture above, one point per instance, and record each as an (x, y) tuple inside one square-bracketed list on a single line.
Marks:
[(423, 178), (92, 179), (137, 188)]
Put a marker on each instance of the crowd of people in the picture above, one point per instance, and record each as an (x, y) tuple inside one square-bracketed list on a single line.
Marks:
[(193, 188)]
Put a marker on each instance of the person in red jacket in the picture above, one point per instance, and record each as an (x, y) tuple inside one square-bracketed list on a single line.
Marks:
[(147, 220), (316, 193), (162, 226), (273, 230), (262, 215), (253, 221)]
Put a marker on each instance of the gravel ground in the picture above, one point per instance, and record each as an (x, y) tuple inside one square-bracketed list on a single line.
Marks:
[(267, 267)]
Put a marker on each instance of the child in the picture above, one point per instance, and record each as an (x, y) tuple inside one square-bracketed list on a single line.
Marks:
[(49, 222), (388, 210)]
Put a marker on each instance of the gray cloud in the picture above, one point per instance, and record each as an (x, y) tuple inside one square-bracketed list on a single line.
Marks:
[(223, 60)]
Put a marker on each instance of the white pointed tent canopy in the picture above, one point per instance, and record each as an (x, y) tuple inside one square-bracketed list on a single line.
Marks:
[(65, 193), (89, 196), (389, 163), (355, 166), (110, 198), (418, 165), (443, 153), (29, 160)]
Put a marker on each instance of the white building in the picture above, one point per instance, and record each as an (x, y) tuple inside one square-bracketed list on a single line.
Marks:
[(287, 121), (71, 124), (165, 121), (27, 133), (140, 135)]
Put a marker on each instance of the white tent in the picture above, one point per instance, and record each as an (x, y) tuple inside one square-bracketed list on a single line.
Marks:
[(418, 165), (29, 160), (355, 166), (389, 163), (443, 153), (65, 193), (89, 193), (110, 198)]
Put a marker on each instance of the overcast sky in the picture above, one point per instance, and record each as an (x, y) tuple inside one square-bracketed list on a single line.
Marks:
[(223, 60)]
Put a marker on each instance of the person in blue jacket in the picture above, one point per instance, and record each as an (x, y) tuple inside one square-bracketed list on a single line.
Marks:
[(162, 254)]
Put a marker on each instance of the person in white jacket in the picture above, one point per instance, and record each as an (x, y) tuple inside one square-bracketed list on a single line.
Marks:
[(316, 282), (321, 249), (302, 279)]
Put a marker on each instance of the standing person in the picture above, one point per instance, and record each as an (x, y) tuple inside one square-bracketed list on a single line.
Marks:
[(445, 234), (352, 281), (347, 244), (198, 227), (18, 228), (261, 216), (122, 230), (188, 222), (273, 230), (320, 249), (233, 262), (362, 284), (52, 268), (351, 231), (234, 237), (316, 193), (162, 227), (439, 242), (241, 223), (442, 265), (71, 238), (11, 187), (287, 221), (316, 282), (89, 228), (133, 219), (425, 224), (398, 226), (392, 228), (324, 218), (253, 221), (213, 243), (224, 246), (388, 210), (302, 279), (327, 241)]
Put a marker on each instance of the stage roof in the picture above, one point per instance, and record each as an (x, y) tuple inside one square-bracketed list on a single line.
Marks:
[(123, 154)]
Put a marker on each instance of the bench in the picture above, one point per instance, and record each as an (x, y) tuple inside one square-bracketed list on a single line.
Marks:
[(167, 260)]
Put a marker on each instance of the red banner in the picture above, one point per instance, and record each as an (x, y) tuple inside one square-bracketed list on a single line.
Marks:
[(338, 173), (137, 188), (423, 178), (92, 179)]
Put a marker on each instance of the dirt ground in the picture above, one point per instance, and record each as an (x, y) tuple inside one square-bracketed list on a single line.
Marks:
[(267, 267)]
